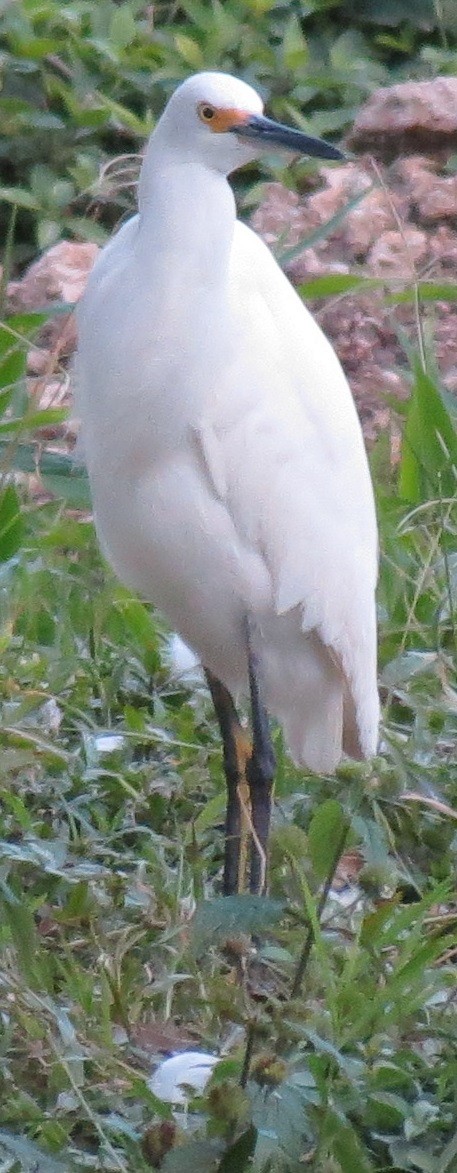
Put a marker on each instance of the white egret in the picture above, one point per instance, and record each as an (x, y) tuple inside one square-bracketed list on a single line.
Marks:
[(226, 460)]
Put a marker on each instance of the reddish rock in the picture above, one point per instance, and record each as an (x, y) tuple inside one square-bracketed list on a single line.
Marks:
[(60, 275), (403, 231), (281, 215), (398, 253), (342, 184), (377, 214), (442, 244), (440, 202), (37, 360), (434, 197), (413, 116)]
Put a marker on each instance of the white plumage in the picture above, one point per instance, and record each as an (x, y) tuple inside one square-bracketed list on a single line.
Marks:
[(176, 1078), (226, 460)]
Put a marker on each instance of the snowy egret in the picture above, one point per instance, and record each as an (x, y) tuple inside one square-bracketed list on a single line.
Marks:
[(226, 460)]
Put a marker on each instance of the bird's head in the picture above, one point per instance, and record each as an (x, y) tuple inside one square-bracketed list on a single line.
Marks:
[(220, 120)]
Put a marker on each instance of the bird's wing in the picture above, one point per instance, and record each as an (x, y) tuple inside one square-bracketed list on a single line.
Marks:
[(298, 475)]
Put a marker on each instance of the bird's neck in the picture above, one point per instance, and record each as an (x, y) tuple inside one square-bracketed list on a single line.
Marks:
[(187, 216)]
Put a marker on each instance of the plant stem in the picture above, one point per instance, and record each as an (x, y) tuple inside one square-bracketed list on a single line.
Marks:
[(306, 951), (250, 1036), (7, 258)]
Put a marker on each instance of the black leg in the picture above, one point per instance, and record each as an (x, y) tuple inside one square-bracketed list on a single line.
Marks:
[(237, 750), (259, 771)]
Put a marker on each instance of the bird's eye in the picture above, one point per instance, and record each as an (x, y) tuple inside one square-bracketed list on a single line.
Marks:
[(206, 113)]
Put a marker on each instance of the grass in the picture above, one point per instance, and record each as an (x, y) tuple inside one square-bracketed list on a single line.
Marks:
[(338, 1035), (112, 924)]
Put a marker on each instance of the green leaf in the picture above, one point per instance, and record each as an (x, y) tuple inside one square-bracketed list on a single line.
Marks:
[(189, 50), (138, 620), (429, 454), (350, 1066), (73, 489), (325, 833), (12, 367), (85, 229), (46, 417), (281, 1118), (423, 14), (25, 939), (448, 1159), (335, 284), (294, 46), (123, 117), (65, 479), (32, 1159), (26, 324), (32, 420), (123, 28), (238, 1156), (404, 977), (20, 197), (6, 395), (216, 921), (201, 1155), (347, 1149), (412, 1157), (373, 924), (11, 523), (386, 1111), (209, 816), (26, 737), (344, 1144), (426, 291)]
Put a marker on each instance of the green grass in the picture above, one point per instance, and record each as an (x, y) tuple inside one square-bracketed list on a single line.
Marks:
[(107, 850), (339, 1034)]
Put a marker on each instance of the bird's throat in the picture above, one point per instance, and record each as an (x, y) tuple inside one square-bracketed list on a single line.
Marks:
[(187, 217)]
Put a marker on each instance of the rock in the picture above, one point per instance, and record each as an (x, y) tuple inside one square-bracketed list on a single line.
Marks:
[(341, 186), (376, 214), (280, 214), (397, 253), (37, 360), (434, 197), (440, 202), (59, 275), (413, 116), (402, 231), (442, 243)]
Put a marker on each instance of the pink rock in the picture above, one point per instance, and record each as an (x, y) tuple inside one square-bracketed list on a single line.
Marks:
[(412, 116), (59, 275), (397, 253), (376, 214)]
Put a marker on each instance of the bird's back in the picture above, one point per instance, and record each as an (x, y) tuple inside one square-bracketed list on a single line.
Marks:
[(300, 489)]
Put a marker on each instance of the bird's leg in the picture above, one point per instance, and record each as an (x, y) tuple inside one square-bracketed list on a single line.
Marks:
[(237, 750), (259, 771)]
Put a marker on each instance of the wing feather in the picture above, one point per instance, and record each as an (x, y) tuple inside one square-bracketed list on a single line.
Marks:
[(300, 479)]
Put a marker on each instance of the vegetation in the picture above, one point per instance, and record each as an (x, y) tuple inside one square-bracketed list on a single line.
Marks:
[(339, 1034)]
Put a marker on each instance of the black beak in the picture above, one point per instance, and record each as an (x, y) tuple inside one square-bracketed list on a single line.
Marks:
[(274, 134)]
